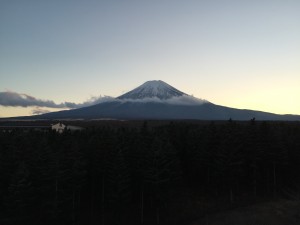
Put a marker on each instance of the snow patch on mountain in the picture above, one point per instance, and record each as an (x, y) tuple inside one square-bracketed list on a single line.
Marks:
[(153, 89)]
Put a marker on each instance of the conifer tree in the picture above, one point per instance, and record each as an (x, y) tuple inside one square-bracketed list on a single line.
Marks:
[(20, 198), (161, 168), (118, 177)]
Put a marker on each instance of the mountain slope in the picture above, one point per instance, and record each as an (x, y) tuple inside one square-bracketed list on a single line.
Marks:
[(153, 110)]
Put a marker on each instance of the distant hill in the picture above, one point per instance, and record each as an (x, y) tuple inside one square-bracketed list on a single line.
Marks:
[(159, 100)]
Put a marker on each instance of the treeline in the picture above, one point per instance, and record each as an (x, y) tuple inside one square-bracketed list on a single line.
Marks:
[(141, 175)]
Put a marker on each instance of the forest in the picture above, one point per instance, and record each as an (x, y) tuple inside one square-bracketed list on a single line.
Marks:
[(173, 173)]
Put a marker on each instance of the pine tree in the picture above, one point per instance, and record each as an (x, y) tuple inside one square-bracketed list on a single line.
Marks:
[(228, 160), (118, 177), (162, 167), (20, 198)]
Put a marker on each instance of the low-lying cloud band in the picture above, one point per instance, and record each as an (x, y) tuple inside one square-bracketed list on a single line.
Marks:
[(14, 99)]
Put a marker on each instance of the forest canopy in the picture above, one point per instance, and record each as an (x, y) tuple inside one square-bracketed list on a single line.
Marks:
[(145, 174)]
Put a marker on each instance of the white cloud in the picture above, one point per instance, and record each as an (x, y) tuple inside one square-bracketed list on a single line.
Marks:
[(38, 111), (180, 100), (14, 99)]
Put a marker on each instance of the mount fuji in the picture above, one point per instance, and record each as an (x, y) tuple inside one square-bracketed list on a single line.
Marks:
[(159, 100)]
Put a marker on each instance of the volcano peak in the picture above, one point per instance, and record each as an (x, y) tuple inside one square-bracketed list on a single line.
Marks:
[(153, 89)]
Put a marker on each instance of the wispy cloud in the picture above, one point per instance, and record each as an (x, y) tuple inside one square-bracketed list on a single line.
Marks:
[(89, 102), (10, 98), (38, 111), (179, 100), (14, 99)]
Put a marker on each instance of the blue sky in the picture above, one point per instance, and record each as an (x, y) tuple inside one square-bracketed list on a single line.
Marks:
[(243, 54)]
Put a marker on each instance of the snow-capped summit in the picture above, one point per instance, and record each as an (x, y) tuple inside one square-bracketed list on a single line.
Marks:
[(153, 89)]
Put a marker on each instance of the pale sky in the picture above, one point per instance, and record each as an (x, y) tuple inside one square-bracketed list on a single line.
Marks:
[(242, 54)]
